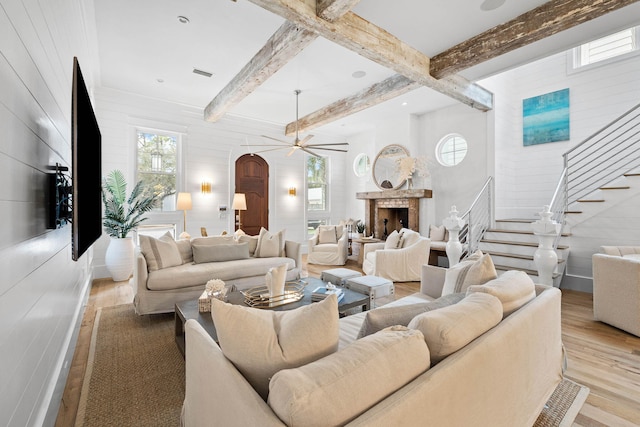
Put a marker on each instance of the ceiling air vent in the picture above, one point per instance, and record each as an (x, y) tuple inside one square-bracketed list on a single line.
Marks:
[(202, 73)]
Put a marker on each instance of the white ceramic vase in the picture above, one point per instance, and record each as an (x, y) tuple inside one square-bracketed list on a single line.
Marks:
[(275, 279), (119, 258)]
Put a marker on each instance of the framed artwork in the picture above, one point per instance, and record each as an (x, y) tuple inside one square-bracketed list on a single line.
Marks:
[(545, 118)]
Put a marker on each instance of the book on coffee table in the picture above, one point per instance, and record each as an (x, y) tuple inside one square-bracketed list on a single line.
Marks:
[(322, 292)]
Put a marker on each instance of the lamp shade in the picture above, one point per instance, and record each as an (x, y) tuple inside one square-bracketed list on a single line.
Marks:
[(184, 202), (239, 202)]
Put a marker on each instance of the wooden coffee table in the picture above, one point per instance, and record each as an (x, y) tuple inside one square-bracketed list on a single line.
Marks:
[(186, 310)]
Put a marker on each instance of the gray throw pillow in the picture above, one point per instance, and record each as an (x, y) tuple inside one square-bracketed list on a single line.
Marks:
[(380, 318), (218, 253)]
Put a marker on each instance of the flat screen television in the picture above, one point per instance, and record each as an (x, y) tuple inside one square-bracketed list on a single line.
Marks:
[(86, 166)]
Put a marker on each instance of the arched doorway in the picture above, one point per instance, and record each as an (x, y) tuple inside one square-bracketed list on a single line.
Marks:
[(252, 179)]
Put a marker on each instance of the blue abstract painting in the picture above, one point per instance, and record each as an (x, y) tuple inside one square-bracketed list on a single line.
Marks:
[(545, 118)]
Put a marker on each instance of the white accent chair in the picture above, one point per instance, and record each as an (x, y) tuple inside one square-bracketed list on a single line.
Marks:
[(327, 250), (616, 287), (403, 264)]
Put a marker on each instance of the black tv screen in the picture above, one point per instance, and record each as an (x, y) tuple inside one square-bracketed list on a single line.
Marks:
[(86, 148)]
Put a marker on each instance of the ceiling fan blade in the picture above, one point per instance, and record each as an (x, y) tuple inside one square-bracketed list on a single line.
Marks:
[(293, 149), (320, 145), (275, 139), (304, 140), (264, 151), (306, 150), (262, 145), (329, 149)]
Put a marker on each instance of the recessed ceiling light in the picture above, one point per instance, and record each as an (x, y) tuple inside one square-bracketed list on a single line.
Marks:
[(488, 5), (404, 104), (160, 80), (183, 19), (358, 74)]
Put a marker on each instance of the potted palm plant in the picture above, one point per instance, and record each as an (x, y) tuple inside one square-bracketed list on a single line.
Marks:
[(121, 215)]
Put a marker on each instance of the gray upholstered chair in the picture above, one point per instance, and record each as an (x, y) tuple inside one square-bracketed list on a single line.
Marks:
[(616, 287)]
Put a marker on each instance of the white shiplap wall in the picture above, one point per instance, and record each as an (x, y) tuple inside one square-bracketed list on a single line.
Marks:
[(42, 289), (209, 153)]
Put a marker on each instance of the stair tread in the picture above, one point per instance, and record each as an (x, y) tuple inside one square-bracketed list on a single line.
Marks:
[(501, 230), (591, 200), (572, 212), (510, 242), (615, 188), (508, 255), (526, 270), (631, 174), (522, 220)]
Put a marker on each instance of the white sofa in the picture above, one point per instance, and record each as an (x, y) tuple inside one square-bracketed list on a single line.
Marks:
[(502, 378), (616, 287), (157, 291), (401, 264), (332, 252)]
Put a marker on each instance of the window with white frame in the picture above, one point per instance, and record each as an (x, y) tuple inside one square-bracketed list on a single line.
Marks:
[(451, 149), (606, 48), (317, 192), (157, 168)]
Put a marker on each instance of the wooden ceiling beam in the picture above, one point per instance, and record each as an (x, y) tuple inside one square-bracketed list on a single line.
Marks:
[(544, 21), (284, 44), (357, 34)]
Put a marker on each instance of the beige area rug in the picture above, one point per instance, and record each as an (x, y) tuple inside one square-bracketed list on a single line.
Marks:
[(135, 375), (135, 372)]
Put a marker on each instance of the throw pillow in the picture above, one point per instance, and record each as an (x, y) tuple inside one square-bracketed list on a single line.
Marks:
[(218, 253), (335, 389), (160, 253), (449, 329), (327, 234), (392, 240), (214, 240), (409, 237), (473, 271), (513, 288), (437, 232), (251, 240), (262, 342), (186, 253), (270, 244), (383, 317)]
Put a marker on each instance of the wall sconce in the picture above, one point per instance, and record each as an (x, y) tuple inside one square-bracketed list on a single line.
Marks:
[(292, 191), (205, 187)]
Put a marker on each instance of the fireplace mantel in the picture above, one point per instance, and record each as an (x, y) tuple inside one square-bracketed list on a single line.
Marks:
[(401, 208), (395, 194)]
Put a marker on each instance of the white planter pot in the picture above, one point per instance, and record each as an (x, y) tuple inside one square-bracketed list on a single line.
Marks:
[(119, 258)]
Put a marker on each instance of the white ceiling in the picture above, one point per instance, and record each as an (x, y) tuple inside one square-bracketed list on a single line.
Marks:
[(142, 41)]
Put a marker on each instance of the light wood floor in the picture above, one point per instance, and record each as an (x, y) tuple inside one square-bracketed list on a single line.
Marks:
[(600, 357)]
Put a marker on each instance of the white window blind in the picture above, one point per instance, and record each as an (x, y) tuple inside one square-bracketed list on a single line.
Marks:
[(607, 47)]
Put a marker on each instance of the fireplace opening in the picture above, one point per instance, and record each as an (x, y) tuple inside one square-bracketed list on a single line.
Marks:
[(397, 218)]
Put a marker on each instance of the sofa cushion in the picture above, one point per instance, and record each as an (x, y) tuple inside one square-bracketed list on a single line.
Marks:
[(270, 244), (213, 240), (327, 234), (436, 233), (383, 317), (476, 270), (262, 342), (335, 389), (252, 241), (160, 253), (448, 329), (188, 275), (392, 240), (218, 253), (513, 288)]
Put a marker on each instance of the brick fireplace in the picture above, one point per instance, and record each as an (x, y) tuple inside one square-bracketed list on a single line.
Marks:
[(401, 208)]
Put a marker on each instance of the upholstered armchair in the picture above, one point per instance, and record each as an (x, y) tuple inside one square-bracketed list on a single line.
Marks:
[(329, 245), (399, 258), (616, 287)]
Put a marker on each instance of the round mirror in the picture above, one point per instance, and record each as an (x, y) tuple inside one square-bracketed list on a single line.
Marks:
[(361, 165), (386, 172)]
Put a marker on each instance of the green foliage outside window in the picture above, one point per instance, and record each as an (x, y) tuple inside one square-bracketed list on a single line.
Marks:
[(316, 183), (157, 164)]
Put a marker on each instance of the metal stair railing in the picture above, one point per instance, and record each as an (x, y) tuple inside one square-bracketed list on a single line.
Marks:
[(600, 159), (478, 218)]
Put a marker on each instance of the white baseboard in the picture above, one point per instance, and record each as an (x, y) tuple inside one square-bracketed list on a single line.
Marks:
[(577, 283)]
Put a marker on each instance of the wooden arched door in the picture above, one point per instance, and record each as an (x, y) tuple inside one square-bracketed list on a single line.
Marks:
[(252, 179)]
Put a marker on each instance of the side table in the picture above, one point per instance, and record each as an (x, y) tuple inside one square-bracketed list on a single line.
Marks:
[(363, 242)]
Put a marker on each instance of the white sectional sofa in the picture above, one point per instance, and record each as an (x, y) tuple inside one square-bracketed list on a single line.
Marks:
[(157, 290), (501, 378)]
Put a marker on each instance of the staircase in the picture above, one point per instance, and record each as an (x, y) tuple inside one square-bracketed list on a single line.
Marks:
[(512, 245)]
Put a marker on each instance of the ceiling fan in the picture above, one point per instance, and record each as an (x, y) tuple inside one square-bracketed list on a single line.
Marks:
[(298, 144)]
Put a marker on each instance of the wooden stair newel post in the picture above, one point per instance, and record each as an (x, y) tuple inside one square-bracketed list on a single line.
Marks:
[(453, 223), (545, 257)]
